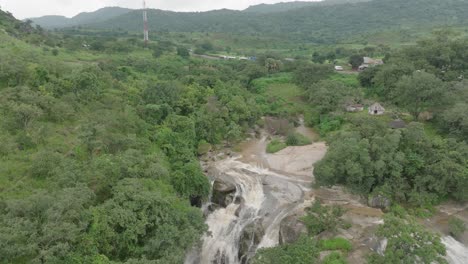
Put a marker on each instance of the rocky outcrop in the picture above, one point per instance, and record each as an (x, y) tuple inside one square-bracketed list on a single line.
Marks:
[(291, 228), (223, 193), (380, 202), (378, 245), (250, 239)]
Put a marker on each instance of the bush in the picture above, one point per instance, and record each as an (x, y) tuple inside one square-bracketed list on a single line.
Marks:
[(334, 258), (275, 145), (296, 139), (456, 227), (304, 251), (336, 244), (321, 218), (203, 147)]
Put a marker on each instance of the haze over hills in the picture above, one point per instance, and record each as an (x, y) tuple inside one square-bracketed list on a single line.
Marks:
[(287, 6), (320, 24), (100, 15), (316, 22)]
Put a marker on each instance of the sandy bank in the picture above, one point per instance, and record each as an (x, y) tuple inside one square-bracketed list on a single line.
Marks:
[(297, 160)]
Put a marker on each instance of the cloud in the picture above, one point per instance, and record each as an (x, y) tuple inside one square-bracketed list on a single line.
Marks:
[(34, 8)]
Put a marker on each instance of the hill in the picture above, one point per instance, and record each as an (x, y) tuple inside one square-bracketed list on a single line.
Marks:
[(287, 6), (85, 18), (9, 25), (320, 24)]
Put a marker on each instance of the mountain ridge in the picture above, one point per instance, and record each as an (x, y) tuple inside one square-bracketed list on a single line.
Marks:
[(84, 18), (103, 14), (287, 6)]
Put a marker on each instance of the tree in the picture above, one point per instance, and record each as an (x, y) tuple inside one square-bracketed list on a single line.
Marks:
[(408, 242), (329, 96), (419, 92), (456, 226), (183, 52), (272, 65), (46, 228), (158, 51), (366, 77), (455, 121), (356, 60), (320, 218), (309, 74), (317, 58), (145, 218)]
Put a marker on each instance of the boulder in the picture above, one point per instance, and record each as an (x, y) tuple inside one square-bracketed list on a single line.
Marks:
[(251, 237), (380, 202), (291, 228), (223, 193)]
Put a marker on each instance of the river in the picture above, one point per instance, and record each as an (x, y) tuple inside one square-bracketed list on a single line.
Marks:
[(266, 189)]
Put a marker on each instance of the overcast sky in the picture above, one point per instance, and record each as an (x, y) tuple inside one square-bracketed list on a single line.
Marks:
[(34, 8)]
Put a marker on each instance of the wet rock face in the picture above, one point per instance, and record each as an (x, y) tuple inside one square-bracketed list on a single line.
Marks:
[(249, 240), (223, 193), (380, 202), (291, 228)]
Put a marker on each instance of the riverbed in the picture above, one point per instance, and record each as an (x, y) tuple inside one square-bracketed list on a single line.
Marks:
[(266, 189)]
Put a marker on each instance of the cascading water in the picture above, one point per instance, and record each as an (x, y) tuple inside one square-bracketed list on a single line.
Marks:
[(457, 253), (262, 199), (222, 244)]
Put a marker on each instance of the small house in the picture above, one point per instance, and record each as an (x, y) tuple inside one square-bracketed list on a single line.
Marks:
[(370, 62), (355, 108), (376, 109)]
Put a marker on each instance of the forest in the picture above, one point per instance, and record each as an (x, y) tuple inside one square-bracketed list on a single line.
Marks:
[(101, 135), (319, 23)]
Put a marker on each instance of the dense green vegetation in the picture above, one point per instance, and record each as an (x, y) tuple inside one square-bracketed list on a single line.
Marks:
[(101, 136), (103, 14), (99, 149), (409, 165), (408, 241), (318, 24)]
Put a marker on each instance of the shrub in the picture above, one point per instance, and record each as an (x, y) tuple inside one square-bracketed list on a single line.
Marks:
[(338, 243), (321, 218), (275, 145), (296, 139), (203, 147), (303, 251), (334, 258), (456, 227)]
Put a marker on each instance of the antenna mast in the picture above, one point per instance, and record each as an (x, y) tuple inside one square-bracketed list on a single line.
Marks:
[(145, 21)]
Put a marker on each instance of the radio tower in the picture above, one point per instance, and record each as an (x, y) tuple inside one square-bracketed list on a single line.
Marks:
[(145, 21)]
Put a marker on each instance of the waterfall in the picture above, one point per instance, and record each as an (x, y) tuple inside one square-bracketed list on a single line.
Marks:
[(457, 253), (262, 199)]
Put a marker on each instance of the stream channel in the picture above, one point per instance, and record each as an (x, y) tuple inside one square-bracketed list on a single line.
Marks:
[(253, 192)]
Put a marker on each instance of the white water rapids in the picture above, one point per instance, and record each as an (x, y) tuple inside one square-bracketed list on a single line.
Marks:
[(457, 253), (262, 198)]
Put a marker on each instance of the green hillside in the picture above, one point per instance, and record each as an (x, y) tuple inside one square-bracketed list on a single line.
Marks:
[(316, 24), (100, 15), (287, 6)]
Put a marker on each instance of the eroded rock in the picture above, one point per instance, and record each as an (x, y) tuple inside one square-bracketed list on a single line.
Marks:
[(291, 228), (250, 239), (223, 193), (380, 202)]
